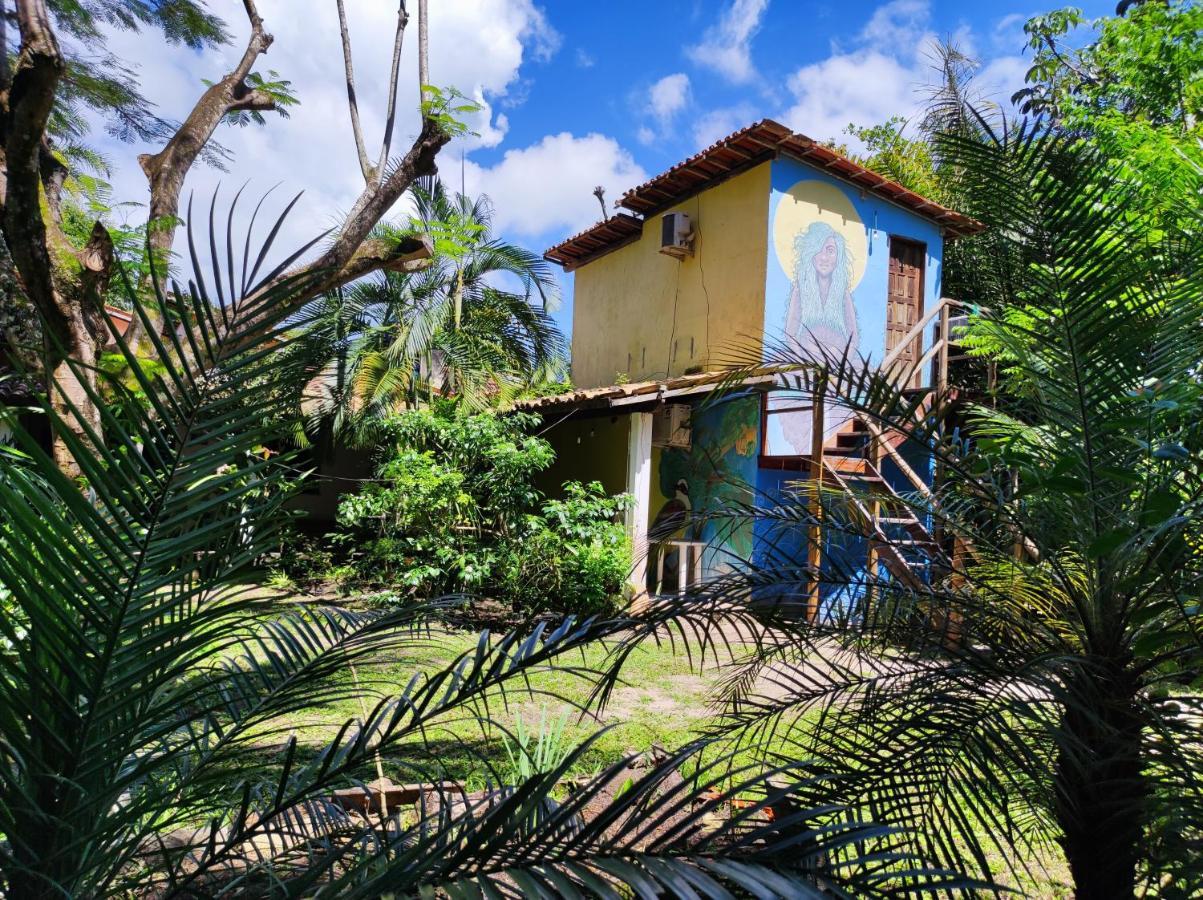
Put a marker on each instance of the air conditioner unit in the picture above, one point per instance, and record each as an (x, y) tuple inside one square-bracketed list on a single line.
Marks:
[(676, 235), (670, 426)]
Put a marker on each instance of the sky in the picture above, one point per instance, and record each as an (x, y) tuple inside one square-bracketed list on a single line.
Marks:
[(574, 94)]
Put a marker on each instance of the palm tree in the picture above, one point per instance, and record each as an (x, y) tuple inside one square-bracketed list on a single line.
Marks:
[(141, 689), (1038, 686), (474, 324)]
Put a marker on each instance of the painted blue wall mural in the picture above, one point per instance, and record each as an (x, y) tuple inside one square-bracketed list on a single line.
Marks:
[(827, 280), (716, 473)]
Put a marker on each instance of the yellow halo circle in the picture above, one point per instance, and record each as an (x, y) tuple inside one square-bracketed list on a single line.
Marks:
[(817, 201)]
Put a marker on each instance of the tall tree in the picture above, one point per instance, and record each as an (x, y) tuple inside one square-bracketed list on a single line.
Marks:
[(62, 281), (474, 324)]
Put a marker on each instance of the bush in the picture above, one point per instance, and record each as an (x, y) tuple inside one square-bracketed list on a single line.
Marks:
[(454, 509), (574, 557)]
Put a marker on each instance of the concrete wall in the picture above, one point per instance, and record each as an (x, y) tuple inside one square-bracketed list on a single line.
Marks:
[(805, 202), (587, 449), (641, 314)]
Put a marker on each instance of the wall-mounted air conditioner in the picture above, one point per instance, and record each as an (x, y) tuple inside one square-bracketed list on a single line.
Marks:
[(670, 426), (676, 235)]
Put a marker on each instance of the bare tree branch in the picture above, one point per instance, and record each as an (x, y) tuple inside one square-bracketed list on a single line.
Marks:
[(166, 170), (39, 68), (5, 72), (369, 174), (346, 258), (423, 52), (394, 73)]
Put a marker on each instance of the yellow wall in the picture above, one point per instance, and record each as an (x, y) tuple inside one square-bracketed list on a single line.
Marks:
[(623, 302)]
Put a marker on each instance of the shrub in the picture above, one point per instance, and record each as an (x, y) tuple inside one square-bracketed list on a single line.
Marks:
[(574, 557), (454, 509)]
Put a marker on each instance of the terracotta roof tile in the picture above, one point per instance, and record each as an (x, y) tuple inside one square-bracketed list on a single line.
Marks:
[(737, 153)]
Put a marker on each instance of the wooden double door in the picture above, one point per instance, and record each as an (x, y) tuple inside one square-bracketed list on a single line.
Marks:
[(904, 304)]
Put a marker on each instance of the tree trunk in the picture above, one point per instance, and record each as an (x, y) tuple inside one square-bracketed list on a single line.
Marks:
[(1101, 794)]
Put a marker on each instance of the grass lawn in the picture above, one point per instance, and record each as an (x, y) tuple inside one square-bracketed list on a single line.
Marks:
[(662, 700)]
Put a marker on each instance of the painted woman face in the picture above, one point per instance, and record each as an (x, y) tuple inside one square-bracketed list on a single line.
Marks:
[(824, 261)]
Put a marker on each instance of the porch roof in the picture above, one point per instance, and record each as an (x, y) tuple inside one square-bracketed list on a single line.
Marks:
[(638, 395)]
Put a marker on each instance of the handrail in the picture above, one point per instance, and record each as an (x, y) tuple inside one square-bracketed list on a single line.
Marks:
[(903, 466), (916, 330)]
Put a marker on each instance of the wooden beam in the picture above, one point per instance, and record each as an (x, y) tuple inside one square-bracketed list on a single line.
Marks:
[(814, 538)]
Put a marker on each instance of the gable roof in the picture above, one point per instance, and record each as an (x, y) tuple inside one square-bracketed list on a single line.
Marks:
[(738, 152)]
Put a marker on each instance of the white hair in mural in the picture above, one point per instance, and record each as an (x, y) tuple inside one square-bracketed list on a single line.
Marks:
[(821, 313)]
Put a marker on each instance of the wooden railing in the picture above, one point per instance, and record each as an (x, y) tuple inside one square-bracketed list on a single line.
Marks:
[(879, 442)]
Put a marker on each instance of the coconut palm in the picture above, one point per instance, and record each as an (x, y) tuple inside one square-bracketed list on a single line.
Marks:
[(141, 690), (473, 324), (1037, 688)]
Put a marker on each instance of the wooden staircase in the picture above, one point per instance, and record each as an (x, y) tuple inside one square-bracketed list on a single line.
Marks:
[(898, 538), (852, 459)]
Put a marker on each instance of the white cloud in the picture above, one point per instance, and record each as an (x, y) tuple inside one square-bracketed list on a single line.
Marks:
[(584, 59), (547, 188), (646, 136), (718, 123), (863, 88), (886, 72), (900, 24), (668, 96), (726, 46), (480, 46)]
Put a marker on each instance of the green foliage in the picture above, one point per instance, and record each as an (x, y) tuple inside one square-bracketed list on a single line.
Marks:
[(274, 86), (87, 200), (1143, 66), (1131, 84), (142, 684), (1034, 681), (573, 556), (98, 83), (474, 324), (454, 509), (539, 752), (907, 160), (447, 107)]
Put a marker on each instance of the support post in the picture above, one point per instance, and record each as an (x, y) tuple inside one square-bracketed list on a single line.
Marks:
[(814, 537), (639, 486), (941, 387), (873, 454), (942, 357)]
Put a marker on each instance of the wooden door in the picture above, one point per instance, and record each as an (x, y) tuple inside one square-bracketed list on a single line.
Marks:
[(904, 303)]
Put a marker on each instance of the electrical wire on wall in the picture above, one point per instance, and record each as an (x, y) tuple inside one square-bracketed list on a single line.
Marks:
[(672, 335), (697, 250)]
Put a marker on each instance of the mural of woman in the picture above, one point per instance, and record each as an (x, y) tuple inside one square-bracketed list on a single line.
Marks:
[(821, 316)]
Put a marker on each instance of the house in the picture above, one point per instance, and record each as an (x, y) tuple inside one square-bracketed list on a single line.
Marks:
[(767, 238)]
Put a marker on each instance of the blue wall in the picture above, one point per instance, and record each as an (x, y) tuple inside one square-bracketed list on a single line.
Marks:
[(862, 225)]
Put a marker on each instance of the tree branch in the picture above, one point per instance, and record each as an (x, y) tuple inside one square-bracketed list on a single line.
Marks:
[(369, 174), (39, 68), (394, 73), (376, 201), (423, 53), (166, 170)]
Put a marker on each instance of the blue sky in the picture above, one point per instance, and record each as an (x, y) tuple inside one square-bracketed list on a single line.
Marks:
[(574, 93)]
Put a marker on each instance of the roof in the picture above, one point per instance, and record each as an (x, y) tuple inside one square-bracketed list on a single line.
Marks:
[(738, 152), (636, 394)]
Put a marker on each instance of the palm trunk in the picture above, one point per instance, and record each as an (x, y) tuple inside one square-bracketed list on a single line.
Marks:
[(1101, 791)]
